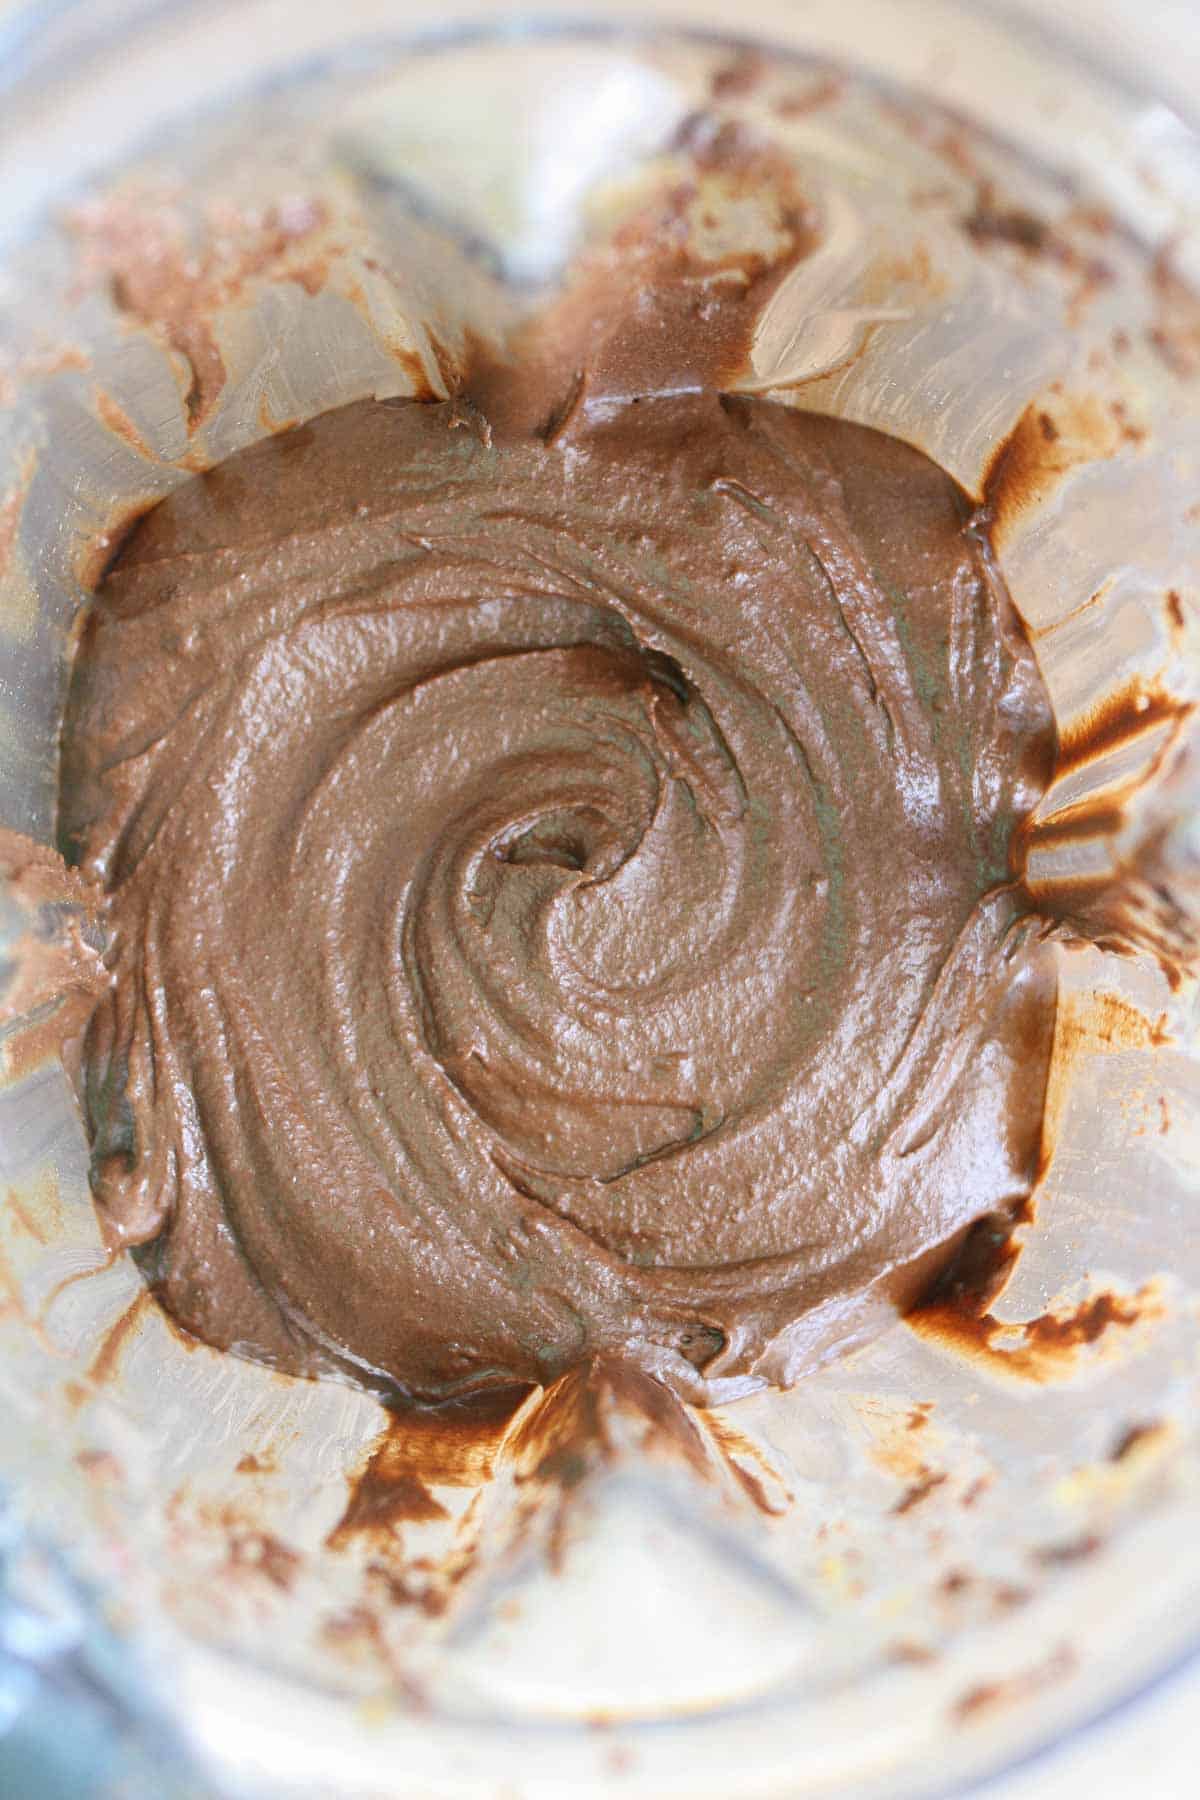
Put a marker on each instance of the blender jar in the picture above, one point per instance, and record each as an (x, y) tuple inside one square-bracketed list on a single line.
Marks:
[(933, 1555)]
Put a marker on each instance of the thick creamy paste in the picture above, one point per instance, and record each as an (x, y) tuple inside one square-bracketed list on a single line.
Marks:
[(559, 892)]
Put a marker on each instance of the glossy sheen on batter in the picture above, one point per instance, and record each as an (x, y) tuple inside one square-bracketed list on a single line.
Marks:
[(560, 893)]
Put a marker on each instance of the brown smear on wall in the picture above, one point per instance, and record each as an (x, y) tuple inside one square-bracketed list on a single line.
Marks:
[(696, 314), (454, 1445), (172, 274), (1086, 1025), (10, 510), (53, 974), (1140, 896), (551, 1439), (958, 1314), (585, 1416), (1041, 1350), (749, 1466), (989, 1696), (1053, 436), (1139, 711), (115, 419), (106, 1363), (1120, 719)]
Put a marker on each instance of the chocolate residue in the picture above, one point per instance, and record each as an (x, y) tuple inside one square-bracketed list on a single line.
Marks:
[(994, 222), (1175, 334), (1107, 1022), (173, 275), (1122, 718), (51, 974), (1007, 1597), (550, 1443), (757, 1478), (265, 1555), (35, 366), (919, 1491), (1174, 609), (745, 71), (106, 1362), (1063, 1332), (1039, 1350), (1074, 1550), (1148, 897), (358, 1633), (10, 512), (100, 1465), (591, 1416), (115, 419), (380, 1504), (1137, 1438), (605, 1412), (909, 1652), (647, 312), (452, 1445), (250, 1464), (15, 1206), (988, 1696), (1052, 437), (98, 555), (12, 1304), (825, 91), (427, 1586), (415, 368), (983, 1267), (991, 223)]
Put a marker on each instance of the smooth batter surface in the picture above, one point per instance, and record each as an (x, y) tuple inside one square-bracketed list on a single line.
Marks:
[(560, 892)]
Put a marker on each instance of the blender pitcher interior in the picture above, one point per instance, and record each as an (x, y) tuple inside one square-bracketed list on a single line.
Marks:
[(952, 1545)]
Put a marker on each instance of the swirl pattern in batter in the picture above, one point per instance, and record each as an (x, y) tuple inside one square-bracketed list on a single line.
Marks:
[(559, 893)]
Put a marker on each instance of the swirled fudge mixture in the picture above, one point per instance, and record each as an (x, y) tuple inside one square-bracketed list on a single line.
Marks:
[(559, 892)]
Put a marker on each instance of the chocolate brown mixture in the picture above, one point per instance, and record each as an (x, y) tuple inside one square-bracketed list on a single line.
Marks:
[(560, 892)]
